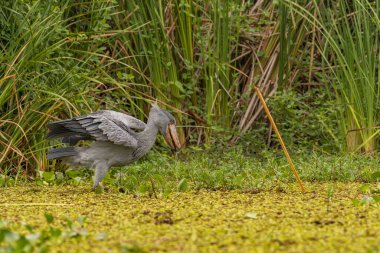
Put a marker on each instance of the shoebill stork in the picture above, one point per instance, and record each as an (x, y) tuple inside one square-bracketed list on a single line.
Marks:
[(118, 139)]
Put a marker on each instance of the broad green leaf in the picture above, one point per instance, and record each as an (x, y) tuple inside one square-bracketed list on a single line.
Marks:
[(33, 237), (82, 219), (182, 185), (2, 180), (71, 173), (49, 218), (55, 232), (76, 180), (251, 215), (367, 199), (101, 236), (48, 176), (365, 188), (356, 202), (376, 176), (376, 198), (59, 176)]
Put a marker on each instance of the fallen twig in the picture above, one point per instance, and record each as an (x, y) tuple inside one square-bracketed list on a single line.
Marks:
[(258, 92)]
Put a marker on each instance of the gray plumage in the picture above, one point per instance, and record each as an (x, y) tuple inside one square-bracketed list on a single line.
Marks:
[(119, 139)]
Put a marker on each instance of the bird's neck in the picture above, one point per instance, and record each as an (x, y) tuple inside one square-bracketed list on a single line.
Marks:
[(150, 130), (148, 136)]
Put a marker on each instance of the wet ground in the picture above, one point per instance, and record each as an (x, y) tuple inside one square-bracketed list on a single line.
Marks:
[(280, 220)]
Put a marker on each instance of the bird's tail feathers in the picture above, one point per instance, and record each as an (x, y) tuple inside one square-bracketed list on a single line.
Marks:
[(57, 153)]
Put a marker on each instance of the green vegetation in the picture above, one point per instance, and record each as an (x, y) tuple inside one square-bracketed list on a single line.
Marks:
[(350, 50), (201, 59), (160, 173), (33, 240)]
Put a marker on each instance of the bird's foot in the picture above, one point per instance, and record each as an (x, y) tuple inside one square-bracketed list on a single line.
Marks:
[(97, 189)]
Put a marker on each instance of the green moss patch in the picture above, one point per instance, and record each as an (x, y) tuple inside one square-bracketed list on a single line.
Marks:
[(280, 220)]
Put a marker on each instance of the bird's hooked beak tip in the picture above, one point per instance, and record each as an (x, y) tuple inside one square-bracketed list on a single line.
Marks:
[(171, 137)]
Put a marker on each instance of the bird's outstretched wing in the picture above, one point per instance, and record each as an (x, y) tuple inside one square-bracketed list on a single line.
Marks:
[(102, 125)]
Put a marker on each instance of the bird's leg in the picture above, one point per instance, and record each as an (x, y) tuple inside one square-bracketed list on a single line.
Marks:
[(101, 169)]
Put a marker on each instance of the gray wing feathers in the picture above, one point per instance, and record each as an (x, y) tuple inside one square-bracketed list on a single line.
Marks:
[(112, 132), (123, 119), (101, 126)]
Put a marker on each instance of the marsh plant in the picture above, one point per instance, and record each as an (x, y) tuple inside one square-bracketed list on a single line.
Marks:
[(369, 193), (39, 240), (350, 51)]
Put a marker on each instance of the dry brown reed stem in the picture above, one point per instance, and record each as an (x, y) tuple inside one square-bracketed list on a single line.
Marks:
[(258, 92)]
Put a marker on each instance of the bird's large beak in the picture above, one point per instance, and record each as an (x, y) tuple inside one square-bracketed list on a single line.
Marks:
[(172, 137)]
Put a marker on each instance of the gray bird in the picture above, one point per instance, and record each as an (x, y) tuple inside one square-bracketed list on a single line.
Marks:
[(119, 139)]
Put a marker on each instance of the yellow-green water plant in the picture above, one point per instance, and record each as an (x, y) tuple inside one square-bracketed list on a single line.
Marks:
[(196, 221)]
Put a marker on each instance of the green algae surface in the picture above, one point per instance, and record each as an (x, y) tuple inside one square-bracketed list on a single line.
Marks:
[(278, 220)]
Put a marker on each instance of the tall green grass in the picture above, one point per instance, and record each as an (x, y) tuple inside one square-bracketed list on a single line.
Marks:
[(47, 69), (182, 52), (350, 51), (356, 30), (61, 59)]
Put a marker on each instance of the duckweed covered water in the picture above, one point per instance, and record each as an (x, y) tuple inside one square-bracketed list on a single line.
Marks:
[(279, 220)]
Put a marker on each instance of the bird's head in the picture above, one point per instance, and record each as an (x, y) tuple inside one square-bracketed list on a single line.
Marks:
[(165, 122)]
